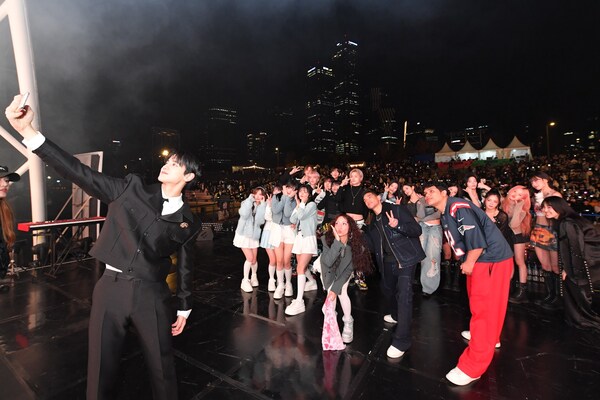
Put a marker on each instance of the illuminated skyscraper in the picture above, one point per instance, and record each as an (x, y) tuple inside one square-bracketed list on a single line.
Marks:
[(346, 98), (320, 135), (222, 142), (257, 145)]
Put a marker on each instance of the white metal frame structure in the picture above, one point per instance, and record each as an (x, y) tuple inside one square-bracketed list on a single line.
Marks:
[(16, 12)]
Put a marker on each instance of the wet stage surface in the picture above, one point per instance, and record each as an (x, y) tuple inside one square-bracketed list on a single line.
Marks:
[(240, 345)]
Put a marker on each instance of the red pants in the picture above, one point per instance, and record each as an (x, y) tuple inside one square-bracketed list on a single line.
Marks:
[(488, 288)]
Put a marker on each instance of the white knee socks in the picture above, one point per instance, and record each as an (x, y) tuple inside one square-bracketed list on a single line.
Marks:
[(345, 302), (301, 283), (272, 269), (246, 269), (309, 275), (288, 275)]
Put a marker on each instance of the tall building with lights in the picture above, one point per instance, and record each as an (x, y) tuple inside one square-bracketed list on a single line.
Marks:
[(476, 135), (319, 128), (381, 126), (222, 144), (257, 147), (346, 102)]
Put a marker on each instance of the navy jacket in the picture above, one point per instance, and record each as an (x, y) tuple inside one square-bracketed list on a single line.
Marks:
[(403, 239)]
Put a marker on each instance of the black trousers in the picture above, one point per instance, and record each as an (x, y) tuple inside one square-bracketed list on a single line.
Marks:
[(120, 300), (397, 287)]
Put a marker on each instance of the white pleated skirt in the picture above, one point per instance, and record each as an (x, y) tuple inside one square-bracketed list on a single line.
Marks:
[(244, 242), (305, 245)]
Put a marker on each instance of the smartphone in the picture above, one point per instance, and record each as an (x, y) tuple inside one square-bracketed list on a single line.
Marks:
[(23, 102)]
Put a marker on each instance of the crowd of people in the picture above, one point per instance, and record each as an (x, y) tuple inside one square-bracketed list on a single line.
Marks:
[(487, 224), (573, 175), (386, 215)]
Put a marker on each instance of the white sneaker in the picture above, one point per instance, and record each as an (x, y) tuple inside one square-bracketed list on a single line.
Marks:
[(393, 352), (279, 292), (295, 308), (459, 378), (254, 280), (246, 286), (388, 318), (310, 286), (289, 290), (272, 285), (467, 335), (348, 331)]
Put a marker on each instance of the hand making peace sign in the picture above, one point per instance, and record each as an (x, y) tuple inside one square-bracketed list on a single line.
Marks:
[(392, 222)]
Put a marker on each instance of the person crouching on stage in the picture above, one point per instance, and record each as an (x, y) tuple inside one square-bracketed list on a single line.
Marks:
[(344, 250), (7, 221), (487, 260), (304, 221), (247, 234)]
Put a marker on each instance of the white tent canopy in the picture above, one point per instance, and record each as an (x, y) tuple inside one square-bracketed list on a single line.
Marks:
[(516, 149), (445, 154), (490, 150), (468, 152)]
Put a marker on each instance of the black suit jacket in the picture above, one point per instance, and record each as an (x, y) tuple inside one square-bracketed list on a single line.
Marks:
[(135, 237)]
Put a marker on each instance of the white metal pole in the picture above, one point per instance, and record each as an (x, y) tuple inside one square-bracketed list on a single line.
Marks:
[(19, 29)]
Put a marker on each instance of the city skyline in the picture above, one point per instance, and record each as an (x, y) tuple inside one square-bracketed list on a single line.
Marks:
[(117, 69)]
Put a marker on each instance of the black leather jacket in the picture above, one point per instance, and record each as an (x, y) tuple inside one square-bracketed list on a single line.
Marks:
[(403, 239)]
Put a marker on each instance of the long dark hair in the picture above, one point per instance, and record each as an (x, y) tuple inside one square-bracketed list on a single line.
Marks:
[(361, 257), (560, 205), (308, 190)]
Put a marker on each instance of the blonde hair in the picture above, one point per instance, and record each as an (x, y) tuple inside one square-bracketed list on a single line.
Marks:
[(507, 207), (358, 171)]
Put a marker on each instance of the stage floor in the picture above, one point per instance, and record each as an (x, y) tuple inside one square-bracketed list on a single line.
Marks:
[(242, 346)]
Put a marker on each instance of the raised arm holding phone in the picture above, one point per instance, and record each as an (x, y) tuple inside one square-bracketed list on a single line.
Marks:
[(145, 225)]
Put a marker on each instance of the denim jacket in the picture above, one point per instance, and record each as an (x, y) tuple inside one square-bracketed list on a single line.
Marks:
[(305, 218), (249, 223)]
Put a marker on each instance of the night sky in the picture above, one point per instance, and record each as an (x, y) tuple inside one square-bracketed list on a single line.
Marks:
[(115, 68)]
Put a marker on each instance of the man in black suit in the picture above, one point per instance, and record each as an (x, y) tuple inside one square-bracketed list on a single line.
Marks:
[(144, 226)]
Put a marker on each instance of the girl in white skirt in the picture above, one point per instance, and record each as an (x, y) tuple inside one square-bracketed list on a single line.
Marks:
[(282, 208), (271, 238), (304, 219), (247, 234)]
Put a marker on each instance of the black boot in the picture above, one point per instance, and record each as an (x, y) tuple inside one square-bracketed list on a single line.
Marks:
[(549, 285), (520, 295), (447, 274), (556, 303)]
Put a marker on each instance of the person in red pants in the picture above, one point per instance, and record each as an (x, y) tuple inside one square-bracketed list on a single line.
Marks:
[(487, 260)]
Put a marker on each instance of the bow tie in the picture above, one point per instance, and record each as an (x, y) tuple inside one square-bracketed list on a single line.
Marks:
[(165, 200)]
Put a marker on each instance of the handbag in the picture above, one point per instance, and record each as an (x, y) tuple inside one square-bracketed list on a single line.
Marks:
[(331, 339)]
